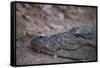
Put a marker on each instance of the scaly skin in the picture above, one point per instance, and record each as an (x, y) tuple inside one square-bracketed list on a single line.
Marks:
[(79, 43)]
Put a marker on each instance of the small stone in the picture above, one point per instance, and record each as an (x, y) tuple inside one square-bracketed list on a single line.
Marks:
[(55, 56)]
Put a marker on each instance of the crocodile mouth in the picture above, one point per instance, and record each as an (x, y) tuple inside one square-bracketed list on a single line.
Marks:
[(52, 51)]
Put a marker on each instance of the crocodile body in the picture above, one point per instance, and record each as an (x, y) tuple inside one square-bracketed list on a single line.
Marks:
[(79, 43)]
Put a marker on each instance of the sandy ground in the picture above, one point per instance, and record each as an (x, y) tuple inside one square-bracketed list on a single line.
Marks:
[(35, 19)]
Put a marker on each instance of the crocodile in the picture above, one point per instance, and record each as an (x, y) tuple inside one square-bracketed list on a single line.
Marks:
[(79, 43)]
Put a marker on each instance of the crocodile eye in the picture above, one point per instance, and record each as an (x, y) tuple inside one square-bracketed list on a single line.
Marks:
[(40, 36), (79, 35)]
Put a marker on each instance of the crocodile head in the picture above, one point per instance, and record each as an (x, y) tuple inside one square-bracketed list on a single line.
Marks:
[(44, 43)]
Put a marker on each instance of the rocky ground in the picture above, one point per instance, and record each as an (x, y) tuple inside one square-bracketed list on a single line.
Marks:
[(35, 20)]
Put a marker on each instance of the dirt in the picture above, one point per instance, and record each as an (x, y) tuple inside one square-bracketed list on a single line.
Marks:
[(37, 19)]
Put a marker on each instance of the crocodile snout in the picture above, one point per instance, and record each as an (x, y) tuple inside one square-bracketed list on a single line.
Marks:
[(38, 42)]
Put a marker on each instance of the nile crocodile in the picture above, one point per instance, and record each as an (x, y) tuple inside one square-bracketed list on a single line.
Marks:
[(79, 43)]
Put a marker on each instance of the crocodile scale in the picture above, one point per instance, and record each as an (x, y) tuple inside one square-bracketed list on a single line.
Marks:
[(79, 43)]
